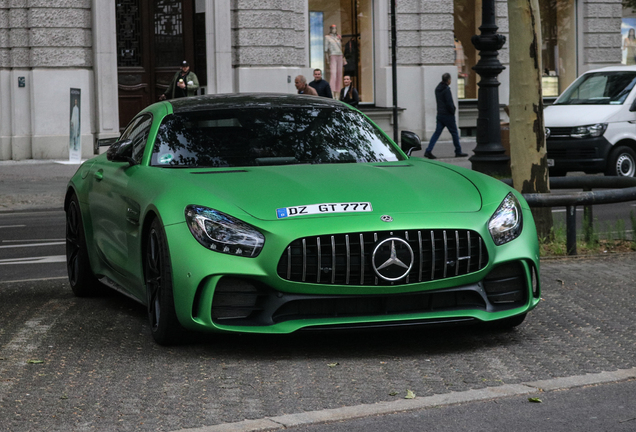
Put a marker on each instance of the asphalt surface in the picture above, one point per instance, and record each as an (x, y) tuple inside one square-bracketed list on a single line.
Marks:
[(80, 364), (90, 365)]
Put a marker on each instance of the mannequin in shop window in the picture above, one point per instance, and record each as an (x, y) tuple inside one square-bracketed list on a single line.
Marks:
[(335, 59), (629, 44), (460, 58)]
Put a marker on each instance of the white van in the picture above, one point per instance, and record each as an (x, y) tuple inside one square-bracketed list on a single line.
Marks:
[(592, 126)]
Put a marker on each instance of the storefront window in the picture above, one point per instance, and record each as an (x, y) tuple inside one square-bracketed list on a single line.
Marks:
[(467, 22), (628, 33), (341, 43), (558, 31)]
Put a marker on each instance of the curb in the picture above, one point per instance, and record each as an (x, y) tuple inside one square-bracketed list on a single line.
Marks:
[(406, 405)]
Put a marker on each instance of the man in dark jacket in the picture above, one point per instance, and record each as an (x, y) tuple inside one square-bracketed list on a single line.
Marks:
[(184, 83), (445, 117), (321, 86)]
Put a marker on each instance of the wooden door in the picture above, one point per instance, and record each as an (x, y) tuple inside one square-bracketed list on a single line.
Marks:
[(153, 38)]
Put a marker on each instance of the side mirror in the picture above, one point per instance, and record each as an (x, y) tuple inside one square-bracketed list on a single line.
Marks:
[(104, 142), (409, 142), (121, 151), (633, 107)]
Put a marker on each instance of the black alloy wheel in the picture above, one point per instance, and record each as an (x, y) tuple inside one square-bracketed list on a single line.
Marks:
[(80, 276), (164, 324)]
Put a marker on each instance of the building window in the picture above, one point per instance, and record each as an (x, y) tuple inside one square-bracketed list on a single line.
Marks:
[(341, 43), (558, 49)]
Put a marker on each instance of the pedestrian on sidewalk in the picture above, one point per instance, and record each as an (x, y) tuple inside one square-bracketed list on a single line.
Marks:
[(303, 88), (321, 86), (445, 118), (184, 83)]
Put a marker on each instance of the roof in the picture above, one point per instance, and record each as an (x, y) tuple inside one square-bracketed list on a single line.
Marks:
[(250, 100), (623, 68)]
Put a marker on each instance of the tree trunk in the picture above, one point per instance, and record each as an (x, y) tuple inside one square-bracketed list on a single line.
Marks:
[(528, 157)]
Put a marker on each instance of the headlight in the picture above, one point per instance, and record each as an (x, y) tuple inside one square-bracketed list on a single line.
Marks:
[(506, 223), (596, 130), (223, 233)]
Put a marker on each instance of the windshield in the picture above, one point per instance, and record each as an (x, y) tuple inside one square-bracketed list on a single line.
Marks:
[(269, 136), (599, 88)]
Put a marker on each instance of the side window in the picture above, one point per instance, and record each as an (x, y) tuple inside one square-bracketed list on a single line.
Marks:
[(132, 125), (137, 132)]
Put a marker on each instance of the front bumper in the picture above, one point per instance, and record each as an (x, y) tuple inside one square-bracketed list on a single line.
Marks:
[(220, 292), (572, 154)]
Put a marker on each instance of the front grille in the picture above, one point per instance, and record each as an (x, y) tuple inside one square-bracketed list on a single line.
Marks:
[(573, 153), (560, 132), (346, 259)]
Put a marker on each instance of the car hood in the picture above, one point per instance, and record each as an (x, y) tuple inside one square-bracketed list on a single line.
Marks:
[(390, 187), (579, 115)]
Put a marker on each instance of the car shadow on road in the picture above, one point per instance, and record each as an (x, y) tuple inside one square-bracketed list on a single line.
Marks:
[(125, 315)]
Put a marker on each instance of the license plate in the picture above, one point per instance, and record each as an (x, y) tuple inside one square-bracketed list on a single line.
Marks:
[(312, 209), (550, 162)]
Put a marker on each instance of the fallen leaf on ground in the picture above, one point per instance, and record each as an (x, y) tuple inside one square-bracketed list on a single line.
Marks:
[(409, 394)]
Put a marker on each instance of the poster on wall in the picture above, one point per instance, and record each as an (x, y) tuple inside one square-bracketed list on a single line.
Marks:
[(75, 137), (628, 38)]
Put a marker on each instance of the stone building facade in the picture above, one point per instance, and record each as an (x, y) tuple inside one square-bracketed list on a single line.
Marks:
[(48, 47)]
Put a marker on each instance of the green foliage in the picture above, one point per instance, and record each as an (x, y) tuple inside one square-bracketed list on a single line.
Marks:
[(630, 4)]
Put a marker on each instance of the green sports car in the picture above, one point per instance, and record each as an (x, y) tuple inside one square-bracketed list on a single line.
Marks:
[(269, 213)]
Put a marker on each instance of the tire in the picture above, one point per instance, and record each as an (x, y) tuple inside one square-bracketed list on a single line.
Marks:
[(164, 324), (622, 162), (80, 276)]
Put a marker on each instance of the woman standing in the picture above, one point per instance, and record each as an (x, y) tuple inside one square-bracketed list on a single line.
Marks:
[(348, 94)]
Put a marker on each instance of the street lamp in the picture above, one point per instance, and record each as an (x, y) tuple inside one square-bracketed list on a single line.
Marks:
[(489, 157)]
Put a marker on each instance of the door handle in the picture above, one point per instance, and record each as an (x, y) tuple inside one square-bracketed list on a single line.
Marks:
[(99, 175)]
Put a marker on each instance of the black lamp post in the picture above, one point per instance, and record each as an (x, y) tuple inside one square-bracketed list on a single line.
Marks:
[(489, 157), (394, 70)]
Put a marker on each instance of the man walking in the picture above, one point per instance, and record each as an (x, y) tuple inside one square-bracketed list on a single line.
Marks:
[(445, 118), (321, 86), (303, 88)]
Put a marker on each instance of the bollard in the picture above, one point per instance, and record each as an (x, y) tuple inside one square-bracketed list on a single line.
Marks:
[(588, 220), (570, 224), (588, 223)]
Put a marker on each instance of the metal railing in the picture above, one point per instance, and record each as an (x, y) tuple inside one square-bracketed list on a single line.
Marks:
[(616, 189)]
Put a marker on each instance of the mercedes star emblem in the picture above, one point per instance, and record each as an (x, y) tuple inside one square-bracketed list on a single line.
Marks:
[(386, 218), (392, 259)]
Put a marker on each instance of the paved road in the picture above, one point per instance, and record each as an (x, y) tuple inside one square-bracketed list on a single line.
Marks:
[(100, 369), (32, 245), (90, 364), (589, 408)]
